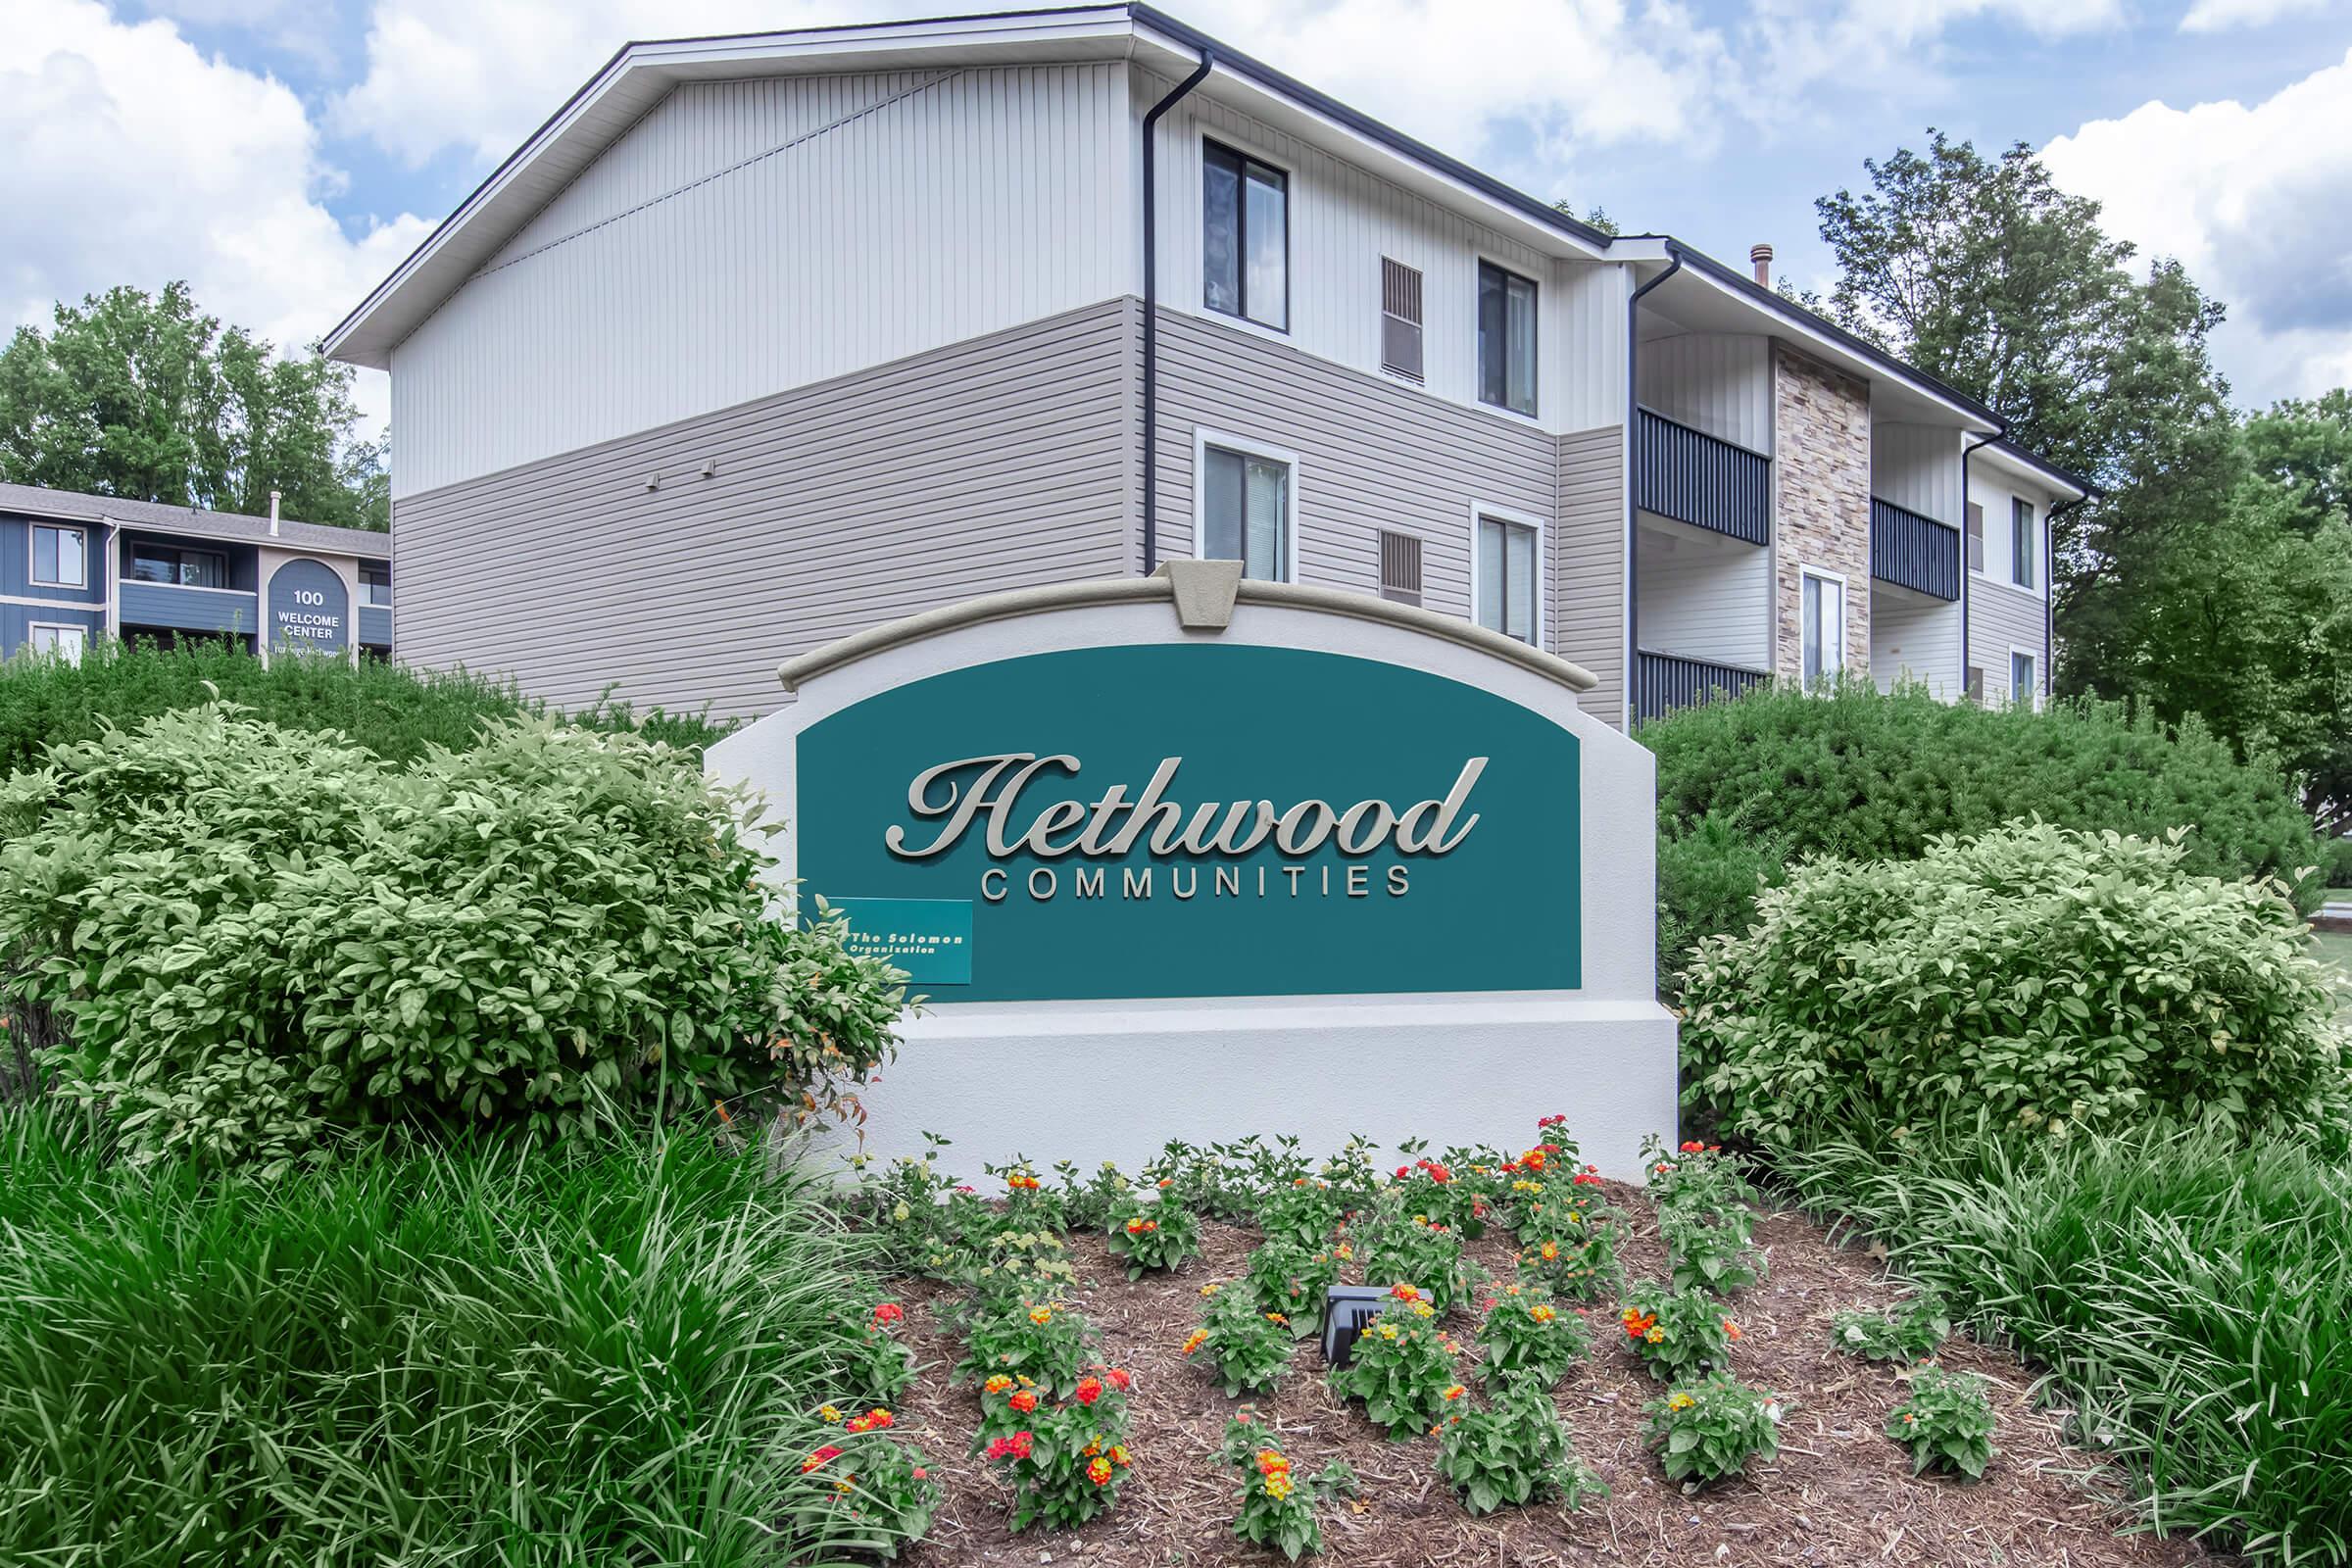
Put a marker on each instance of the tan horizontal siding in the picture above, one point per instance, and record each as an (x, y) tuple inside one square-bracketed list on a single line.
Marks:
[(996, 464), (1589, 565)]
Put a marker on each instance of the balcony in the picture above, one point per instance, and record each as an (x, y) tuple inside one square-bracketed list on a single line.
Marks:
[(1914, 552), (1668, 681), (178, 608), (1700, 479)]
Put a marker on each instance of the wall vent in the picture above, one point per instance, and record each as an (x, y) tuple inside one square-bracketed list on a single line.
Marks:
[(1399, 319), (1976, 537), (1400, 567)]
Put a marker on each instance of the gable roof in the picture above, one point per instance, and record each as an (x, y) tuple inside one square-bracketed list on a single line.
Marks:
[(156, 516), (639, 74)]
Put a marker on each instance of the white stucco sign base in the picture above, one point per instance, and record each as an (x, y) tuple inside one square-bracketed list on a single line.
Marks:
[(1331, 870)]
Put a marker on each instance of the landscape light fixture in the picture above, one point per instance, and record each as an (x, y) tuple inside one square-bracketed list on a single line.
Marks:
[(1347, 1308)]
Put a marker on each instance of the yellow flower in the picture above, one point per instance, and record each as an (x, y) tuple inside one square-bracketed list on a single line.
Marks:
[(1278, 1486), (1277, 1317), (1208, 1290), (1542, 1314), (1655, 1336), (1424, 1309), (997, 1384), (1041, 1316), (1680, 1402), (828, 1414)]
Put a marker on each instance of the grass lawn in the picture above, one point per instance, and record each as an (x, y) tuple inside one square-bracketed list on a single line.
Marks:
[(2335, 948)]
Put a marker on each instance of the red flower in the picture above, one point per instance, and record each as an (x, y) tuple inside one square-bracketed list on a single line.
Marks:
[(889, 1312), (1118, 1378), (1692, 1148), (1402, 1172), (829, 1451), (1023, 1400), (1015, 1447), (921, 1473), (1089, 1390)]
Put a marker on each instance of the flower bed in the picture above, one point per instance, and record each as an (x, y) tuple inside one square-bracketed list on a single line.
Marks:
[(1836, 1464)]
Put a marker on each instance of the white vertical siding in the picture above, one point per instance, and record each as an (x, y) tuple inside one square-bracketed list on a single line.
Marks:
[(1343, 220), (1718, 383), (1915, 637), (897, 212), (1995, 491), (1704, 598), (1589, 301), (1918, 466)]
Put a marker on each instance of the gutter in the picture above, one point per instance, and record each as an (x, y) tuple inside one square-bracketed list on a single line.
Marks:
[(1633, 543), (1968, 587), (1208, 61)]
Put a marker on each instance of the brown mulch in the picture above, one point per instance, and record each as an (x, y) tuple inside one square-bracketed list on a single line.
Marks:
[(1839, 1492)]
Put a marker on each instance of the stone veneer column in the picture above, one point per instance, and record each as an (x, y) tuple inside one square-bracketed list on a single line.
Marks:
[(1821, 498)]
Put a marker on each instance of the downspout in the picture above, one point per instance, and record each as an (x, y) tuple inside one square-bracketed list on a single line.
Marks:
[(1208, 61), (1966, 588), (2049, 592), (1633, 435)]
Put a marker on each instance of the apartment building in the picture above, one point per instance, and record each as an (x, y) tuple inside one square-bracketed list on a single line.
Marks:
[(77, 567), (759, 340)]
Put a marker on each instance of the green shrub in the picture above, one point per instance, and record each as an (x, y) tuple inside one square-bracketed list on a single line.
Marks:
[(1748, 788), (2191, 1294), (397, 713), (1946, 1423), (1709, 1428), (2044, 977), (258, 935), (604, 1352)]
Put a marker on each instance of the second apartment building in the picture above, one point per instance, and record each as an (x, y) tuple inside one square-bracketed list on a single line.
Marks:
[(760, 340)]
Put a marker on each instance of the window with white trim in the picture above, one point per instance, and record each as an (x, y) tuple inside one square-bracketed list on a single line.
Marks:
[(1246, 238), (1244, 513), (1509, 567), (61, 557), (1822, 616), (1506, 339), (58, 642), (2023, 551), (2025, 678)]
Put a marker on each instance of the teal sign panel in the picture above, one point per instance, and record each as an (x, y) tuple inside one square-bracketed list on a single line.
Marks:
[(1206, 819), (930, 938)]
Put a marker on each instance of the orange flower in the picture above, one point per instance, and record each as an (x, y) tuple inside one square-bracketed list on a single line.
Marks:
[(1455, 1391), (997, 1384), (1730, 1330), (1023, 1401), (1199, 1338), (1098, 1470)]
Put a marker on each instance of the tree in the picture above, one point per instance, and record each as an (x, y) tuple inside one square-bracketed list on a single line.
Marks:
[(149, 399), (2213, 572)]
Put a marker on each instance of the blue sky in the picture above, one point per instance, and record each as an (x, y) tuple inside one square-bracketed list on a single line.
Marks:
[(285, 154)]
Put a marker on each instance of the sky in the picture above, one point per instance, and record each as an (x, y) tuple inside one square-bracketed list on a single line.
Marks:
[(282, 155)]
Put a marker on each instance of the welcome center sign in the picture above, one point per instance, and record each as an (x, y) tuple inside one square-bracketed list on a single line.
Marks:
[(1197, 819)]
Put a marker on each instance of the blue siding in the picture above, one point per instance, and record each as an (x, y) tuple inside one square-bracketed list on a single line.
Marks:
[(15, 563), (156, 604), (16, 622)]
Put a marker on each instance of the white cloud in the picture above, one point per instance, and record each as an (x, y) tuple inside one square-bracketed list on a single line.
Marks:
[(134, 159), (2220, 16), (2256, 201)]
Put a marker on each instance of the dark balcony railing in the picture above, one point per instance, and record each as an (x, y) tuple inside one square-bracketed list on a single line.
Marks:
[(1700, 479), (1667, 681), (1912, 550)]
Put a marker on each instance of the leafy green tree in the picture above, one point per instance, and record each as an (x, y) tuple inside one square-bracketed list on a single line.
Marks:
[(2208, 576), (148, 398)]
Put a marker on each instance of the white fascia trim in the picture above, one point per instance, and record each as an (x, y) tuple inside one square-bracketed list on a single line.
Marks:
[(1478, 579), (1249, 446)]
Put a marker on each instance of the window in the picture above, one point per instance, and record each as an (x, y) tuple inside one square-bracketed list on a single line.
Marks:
[(375, 586), (2025, 684), (1400, 567), (1976, 537), (1976, 684), (1246, 238), (1506, 339), (1507, 569), (188, 568), (1400, 319), (1823, 628), (58, 642), (1246, 507), (60, 556), (2022, 549)]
